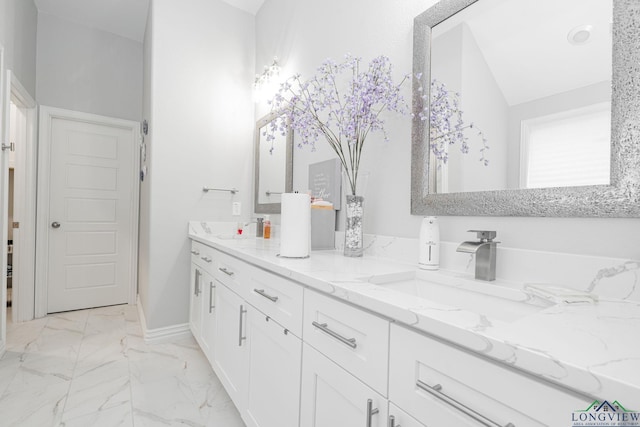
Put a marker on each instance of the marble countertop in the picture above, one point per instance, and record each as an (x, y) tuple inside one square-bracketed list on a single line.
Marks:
[(593, 348)]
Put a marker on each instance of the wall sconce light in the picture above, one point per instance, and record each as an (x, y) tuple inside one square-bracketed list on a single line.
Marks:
[(264, 84)]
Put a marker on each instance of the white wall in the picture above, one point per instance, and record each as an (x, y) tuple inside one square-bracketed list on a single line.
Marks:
[(88, 70), (18, 23), (302, 34), (201, 55), (145, 186)]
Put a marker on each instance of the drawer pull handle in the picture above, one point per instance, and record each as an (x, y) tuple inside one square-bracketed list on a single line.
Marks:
[(392, 422), (266, 295), (351, 342), (225, 271), (195, 252), (371, 411), (197, 284), (240, 337), (436, 391), (211, 304), (205, 258)]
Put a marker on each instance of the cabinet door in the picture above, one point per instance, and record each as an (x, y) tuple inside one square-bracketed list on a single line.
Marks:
[(275, 356), (230, 355), (332, 397), (195, 305), (399, 418), (208, 319)]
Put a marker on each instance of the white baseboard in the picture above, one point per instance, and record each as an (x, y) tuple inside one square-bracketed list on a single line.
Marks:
[(160, 335)]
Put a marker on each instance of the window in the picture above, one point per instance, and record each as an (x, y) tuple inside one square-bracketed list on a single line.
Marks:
[(572, 148)]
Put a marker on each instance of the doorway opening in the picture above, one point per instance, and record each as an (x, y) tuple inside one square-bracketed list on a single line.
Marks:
[(21, 201)]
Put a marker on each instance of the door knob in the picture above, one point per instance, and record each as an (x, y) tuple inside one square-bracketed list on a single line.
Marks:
[(55, 224)]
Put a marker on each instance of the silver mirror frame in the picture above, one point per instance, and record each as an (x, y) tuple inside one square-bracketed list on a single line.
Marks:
[(271, 208), (619, 199)]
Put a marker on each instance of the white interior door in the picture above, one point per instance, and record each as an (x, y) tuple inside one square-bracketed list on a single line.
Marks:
[(91, 193)]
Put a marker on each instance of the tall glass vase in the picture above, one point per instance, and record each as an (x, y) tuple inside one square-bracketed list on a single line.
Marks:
[(353, 233)]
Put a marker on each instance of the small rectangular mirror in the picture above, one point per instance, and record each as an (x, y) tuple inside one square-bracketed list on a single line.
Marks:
[(273, 170)]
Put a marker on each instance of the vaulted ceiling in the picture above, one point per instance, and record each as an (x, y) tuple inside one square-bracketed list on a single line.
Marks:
[(126, 18)]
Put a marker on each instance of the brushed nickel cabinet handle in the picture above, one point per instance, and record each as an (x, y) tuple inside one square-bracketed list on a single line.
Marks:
[(206, 258), (371, 411), (195, 252), (240, 337), (351, 342), (436, 391), (392, 422), (266, 295), (197, 286), (211, 304), (226, 271)]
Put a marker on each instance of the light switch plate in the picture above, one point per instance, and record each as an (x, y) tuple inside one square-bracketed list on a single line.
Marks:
[(236, 209)]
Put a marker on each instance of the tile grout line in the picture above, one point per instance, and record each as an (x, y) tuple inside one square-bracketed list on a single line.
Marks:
[(75, 366)]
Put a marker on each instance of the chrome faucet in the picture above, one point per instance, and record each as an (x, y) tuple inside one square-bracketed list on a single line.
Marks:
[(485, 251)]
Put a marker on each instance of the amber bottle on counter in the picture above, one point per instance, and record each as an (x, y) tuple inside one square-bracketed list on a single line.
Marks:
[(267, 227)]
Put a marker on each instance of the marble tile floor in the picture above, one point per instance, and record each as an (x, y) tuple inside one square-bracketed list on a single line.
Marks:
[(93, 368)]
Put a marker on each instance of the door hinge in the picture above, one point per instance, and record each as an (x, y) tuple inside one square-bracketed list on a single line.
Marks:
[(16, 225)]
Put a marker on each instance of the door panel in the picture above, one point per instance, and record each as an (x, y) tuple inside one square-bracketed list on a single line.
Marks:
[(90, 196), (332, 397)]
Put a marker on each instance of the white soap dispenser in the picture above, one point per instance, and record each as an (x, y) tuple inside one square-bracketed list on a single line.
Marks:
[(429, 252)]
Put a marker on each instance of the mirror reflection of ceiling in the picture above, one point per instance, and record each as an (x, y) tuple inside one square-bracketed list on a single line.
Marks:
[(536, 34)]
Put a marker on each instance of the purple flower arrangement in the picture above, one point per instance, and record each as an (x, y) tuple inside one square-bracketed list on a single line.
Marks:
[(341, 103), (344, 104)]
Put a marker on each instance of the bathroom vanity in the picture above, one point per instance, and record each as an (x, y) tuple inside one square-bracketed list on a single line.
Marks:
[(335, 341)]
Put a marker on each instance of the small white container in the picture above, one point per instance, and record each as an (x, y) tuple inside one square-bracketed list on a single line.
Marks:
[(429, 251)]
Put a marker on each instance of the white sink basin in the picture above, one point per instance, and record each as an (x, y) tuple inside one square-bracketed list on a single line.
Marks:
[(491, 299)]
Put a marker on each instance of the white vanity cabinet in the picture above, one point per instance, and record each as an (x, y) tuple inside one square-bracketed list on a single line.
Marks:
[(344, 366), (333, 397), (258, 359), (443, 385), (289, 356)]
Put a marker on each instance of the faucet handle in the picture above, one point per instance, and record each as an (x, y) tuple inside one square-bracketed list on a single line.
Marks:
[(484, 235)]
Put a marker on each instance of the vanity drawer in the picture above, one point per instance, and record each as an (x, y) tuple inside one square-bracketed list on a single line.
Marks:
[(233, 273), (441, 385), (276, 297), (352, 338), (203, 256)]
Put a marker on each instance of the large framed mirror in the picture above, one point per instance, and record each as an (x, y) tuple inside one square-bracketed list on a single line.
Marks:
[(273, 167), (528, 107)]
